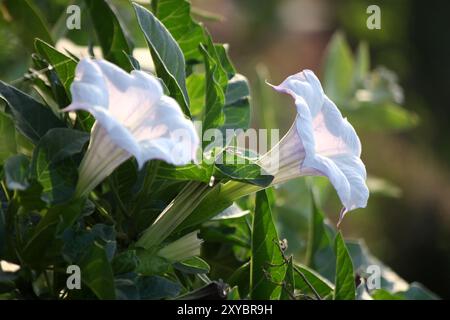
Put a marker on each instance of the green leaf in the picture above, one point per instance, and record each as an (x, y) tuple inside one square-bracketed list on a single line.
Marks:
[(43, 243), (241, 279), (17, 172), (382, 294), (287, 292), (248, 172), (53, 165), (321, 285), (320, 255), (156, 287), (215, 85), (167, 55), (338, 71), (125, 262), (193, 265), (195, 85), (151, 264), (345, 288), (110, 31), (28, 21), (176, 16), (266, 256), (237, 103), (233, 294), (198, 172), (7, 137), (31, 118), (96, 272), (63, 64)]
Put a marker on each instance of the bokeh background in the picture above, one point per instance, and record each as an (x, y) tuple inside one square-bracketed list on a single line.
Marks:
[(407, 224)]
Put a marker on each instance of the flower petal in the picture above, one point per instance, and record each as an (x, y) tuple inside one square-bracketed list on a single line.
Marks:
[(331, 144)]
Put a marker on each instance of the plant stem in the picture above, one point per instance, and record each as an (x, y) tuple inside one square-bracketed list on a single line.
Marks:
[(174, 214)]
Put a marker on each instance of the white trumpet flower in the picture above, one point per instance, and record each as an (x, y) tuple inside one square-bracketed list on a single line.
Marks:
[(320, 142), (133, 118)]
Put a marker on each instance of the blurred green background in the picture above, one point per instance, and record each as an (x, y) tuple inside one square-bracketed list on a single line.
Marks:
[(407, 223)]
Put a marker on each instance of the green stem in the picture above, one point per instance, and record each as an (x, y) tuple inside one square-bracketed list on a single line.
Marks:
[(174, 214)]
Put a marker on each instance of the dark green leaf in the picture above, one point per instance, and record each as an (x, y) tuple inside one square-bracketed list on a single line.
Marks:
[(28, 21), (125, 262), (193, 265), (7, 137), (320, 254), (237, 103), (244, 171), (321, 285), (167, 55), (266, 256), (63, 64), (96, 272), (241, 279), (176, 16), (201, 172), (215, 85), (31, 118), (156, 287), (110, 31), (151, 264), (345, 280), (17, 172), (53, 165)]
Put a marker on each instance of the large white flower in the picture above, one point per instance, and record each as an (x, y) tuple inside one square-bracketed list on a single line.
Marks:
[(320, 142), (133, 118)]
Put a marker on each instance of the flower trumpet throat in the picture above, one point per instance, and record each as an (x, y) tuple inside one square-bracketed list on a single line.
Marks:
[(133, 119)]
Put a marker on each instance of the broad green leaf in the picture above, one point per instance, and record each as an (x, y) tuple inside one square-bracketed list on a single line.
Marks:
[(322, 286), (110, 31), (241, 279), (31, 118), (176, 17), (237, 103), (233, 294), (345, 288), (287, 292), (28, 21), (198, 172), (266, 256), (78, 240), (213, 116), (53, 165), (196, 84), (193, 265), (320, 255), (7, 137), (17, 169), (167, 55), (63, 64), (382, 294), (245, 172), (151, 264), (338, 71), (44, 242), (157, 287), (96, 272), (125, 262)]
